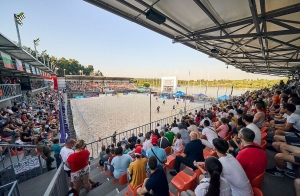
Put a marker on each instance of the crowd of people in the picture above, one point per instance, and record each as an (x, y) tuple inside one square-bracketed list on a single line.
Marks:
[(97, 86), (235, 129)]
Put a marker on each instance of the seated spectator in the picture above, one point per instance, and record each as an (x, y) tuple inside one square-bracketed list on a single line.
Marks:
[(240, 122), (192, 152), (137, 169), (248, 120), (252, 158), (192, 127), (19, 142), (296, 102), (131, 152), (127, 149), (289, 154), (210, 134), (150, 185), (147, 143), (111, 157), (184, 134), (232, 169), (138, 143), (259, 117), (157, 152), (174, 128), (133, 138), (170, 136), (163, 142), (223, 129), (7, 131), (141, 137), (105, 157), (211, 182), (120, 163), (177, 143), (156, 134)]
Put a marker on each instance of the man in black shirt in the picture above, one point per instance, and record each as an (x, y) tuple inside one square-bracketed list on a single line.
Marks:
[(15, 107), (240, 120)]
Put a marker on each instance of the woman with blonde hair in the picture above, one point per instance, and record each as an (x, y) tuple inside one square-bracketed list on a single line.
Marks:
[(79, 165)]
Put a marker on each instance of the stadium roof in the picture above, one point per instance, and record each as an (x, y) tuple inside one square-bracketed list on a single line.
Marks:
[(83, 77), (15, 51), (257, 36)]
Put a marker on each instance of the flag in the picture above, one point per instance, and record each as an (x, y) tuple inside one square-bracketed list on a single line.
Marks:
[(231, 90), (27, 67), (7, 61), (19, 65)]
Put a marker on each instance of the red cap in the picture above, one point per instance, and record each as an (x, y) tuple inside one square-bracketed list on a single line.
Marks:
[(154, 140), (138, 150)]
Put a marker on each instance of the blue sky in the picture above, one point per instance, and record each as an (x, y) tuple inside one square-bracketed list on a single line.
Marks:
[(111, 44)]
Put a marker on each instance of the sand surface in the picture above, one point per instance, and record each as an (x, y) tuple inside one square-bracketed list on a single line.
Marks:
[(101, 116)]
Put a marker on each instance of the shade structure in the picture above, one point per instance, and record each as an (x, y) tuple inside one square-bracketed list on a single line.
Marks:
[(223, 97), (201, 95)]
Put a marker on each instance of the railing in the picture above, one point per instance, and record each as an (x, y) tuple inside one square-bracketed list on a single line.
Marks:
[(59, 183), (18, 165), (34, 85), (8, 91), (10, 189)]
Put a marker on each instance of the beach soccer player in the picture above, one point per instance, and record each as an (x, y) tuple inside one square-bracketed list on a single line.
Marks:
[(156, 99), (173, 107), (157, 109), (177, 103), (164, 102)]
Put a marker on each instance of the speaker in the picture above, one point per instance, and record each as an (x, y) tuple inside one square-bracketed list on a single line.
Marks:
[(155, 17)]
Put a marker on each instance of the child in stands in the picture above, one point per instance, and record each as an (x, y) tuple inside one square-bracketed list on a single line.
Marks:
[(177, 143)]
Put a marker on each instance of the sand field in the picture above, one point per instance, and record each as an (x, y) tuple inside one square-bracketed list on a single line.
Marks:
[(101, 116)]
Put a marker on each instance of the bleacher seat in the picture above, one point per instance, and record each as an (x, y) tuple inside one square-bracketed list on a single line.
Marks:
[(122, 179), (263, 144), (264, 136), (14, 153), (168, 150), (177, 153), (170, 162), (131, 190), (228, 136), (264, 129), (209, 153), (7, 139), (257, 182), (182, 181), (257, 192)]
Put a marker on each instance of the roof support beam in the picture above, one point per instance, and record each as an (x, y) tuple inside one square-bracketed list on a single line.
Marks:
[(270, 50), (282, 24), (284, 43)]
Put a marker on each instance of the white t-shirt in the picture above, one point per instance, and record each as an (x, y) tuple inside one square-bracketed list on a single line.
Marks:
[(257, 132), (297, 111), (234, 173), (210, 134), (294, 119), (205, 118), (234, 113), (202, 188), (147, 145), (175, 130), (64, 153)]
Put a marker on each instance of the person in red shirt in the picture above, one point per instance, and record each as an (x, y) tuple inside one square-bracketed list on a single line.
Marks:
[(23, 117), (251, 157), (79, 165)]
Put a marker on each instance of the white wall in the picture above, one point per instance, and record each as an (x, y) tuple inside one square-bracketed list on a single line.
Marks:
[(174, 78), (61, 82)]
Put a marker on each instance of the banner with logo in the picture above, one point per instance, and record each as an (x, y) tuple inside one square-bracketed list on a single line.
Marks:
[(19, 65), (33, 70), (7, 61), (27, 67)]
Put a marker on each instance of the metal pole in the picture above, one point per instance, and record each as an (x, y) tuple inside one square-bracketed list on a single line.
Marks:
[(17, 27), (44, 58), (185, 100), (150, 109), (35, 50)]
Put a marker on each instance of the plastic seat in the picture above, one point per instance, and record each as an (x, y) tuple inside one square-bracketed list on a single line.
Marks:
[(7, 138), (170, 162), (122, 180), (257, 182), (14, 153), (197, 171), (257, 192), (183, 181), (263, 144), (264, 129), (168, 150), (165, 169), (131, 190), (264, 136), (209, 153), (177, 153), (228, 136)]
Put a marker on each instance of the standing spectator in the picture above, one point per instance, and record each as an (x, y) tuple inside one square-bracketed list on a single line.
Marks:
[(131, 152), (147, 143), (56, 150), (170, 136), (184, 134), (137, 169), (64, 154), (174, 128), (138, 143), (80, 168), (248, 120), (45, 153), (150, 185), (157, 152), (163, 141), (252, 158), (141, 137), (120, 163), (192, 152)]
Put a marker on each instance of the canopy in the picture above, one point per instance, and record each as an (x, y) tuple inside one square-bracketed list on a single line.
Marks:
[(255, 36), (201, 95), (223, 97), (179, 94)]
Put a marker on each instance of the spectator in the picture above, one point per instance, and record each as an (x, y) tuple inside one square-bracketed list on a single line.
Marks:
[(192, 127), (211, 183), (137, 169), (210, 134), (232, 170), (64, 154), (296, 102), (157, 152), (147, 143), (19, 142), (120, 163), (248, 120), (150, 186), (184, 134), (105, 158), (170, 136), (133, 138), (240, 119), (223, 129), (138, 143), (252, 158), (141, 137), (7, 131), (45, 153), (127, 149), (163, 141), (80, 168), (102, 153), (56, 150), (177, 143), (192, 152), (131, 152), (174, 128), (260, 116)]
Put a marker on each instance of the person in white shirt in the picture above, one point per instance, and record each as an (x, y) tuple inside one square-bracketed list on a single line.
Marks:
[(64, 154), (233, 172), (212, 184), (192, 127), (248, 120), (296, 102), (230, 109), (174, 128), (210, 134), (203, 119), (177, 143), (147, 143), (8, 109), (158, 127)]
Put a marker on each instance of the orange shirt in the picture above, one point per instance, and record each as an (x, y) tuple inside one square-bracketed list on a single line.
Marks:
[(276, 99)]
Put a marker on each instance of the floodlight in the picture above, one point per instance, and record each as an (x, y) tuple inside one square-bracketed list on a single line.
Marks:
[(19, 17), (36, 42)]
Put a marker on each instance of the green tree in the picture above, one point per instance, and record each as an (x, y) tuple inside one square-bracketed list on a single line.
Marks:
[(146, 84)]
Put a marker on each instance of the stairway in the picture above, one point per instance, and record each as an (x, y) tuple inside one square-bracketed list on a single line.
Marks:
[(70, 118)]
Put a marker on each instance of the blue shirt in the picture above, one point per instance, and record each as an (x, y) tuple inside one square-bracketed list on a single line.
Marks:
[(156, 177), (160, 153), (56, 148), (121, 163), (194, 151)]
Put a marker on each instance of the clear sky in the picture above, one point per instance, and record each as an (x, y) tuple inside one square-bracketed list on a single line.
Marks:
[(117, 47)]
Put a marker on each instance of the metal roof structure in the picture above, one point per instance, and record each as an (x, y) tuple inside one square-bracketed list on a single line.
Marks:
[(256, 36), (83, 77), (15, 51)]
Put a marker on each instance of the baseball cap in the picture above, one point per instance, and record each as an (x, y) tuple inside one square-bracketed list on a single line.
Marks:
[(154, 140), (138, 150)]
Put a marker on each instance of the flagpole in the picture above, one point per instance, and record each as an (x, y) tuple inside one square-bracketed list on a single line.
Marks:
[(200, 80), (207, 81), (188, 81), (194, 83)]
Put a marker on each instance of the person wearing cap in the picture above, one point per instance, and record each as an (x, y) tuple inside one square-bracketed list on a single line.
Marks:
[(184, 134), (159, 153), (45, 153), (137, 168)]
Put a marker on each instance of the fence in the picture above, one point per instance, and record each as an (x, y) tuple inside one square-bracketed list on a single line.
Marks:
[(59, 183), (10, 189), (7, 91)]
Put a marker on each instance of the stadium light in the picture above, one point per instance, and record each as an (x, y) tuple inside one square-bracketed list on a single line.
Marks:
[(36, 43), (18, 21)]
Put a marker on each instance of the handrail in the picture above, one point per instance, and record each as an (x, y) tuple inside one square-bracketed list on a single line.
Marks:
[(14, 189), (18, 145)]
